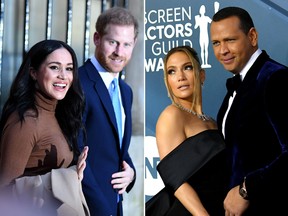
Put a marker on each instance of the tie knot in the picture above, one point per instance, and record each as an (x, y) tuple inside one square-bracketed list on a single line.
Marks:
[(233, 83)]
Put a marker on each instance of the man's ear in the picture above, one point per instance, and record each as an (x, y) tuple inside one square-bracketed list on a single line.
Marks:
[(253, 36), (96, 38)]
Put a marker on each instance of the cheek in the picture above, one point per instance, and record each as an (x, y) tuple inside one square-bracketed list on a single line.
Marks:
[(107, 51), (216, 51), (70, 78), (44, 80), (172, 82)]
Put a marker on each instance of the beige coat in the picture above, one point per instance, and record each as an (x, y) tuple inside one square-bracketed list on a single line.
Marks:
[(57, 191)]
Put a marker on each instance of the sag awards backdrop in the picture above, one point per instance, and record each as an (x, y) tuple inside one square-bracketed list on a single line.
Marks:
[(187, 22)]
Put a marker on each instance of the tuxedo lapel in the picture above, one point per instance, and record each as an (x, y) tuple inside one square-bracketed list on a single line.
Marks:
[(246, 92)]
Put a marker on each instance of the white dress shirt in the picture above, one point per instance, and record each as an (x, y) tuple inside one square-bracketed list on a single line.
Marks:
[(107, 78), (242, 76)]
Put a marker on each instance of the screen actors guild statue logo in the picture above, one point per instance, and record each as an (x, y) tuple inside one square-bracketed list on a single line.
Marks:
[(202, 22)]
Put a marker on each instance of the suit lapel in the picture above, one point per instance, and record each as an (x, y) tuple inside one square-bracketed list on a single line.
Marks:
[(246, 90), (101, 91)]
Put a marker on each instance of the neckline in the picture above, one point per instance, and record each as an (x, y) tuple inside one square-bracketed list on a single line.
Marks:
[(203, 116)]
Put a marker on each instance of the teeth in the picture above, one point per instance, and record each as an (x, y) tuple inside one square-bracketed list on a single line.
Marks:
[(60, 85)]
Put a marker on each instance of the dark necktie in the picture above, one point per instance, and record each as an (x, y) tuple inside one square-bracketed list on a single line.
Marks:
[(233, 83), (114, 93)]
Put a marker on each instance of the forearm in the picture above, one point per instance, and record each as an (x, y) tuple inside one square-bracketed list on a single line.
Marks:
[(190, 200)]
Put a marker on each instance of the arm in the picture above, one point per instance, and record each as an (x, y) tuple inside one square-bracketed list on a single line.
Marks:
[(17, 143), (125, 179), (170, 133), (189, 198), (273, 172), (95, 197)]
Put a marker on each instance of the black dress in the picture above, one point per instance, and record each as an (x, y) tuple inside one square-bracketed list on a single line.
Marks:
[(201, 161)]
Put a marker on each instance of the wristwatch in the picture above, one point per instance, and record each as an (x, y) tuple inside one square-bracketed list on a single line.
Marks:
[(242, 191)]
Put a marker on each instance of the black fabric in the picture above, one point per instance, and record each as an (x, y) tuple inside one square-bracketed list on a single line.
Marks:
[(201, 161), (233, 83)]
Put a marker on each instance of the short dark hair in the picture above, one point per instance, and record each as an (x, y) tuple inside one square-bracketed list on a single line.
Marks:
[(116, 16), (246, 22)]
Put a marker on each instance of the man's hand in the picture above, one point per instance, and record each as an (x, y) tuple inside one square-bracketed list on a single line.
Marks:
[(121, 180), (234, 204)]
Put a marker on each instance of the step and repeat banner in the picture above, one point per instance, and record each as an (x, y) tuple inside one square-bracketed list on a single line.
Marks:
[(170, 23)]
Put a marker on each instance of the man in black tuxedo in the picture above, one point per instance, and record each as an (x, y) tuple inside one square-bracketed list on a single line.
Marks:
[(253, 117)]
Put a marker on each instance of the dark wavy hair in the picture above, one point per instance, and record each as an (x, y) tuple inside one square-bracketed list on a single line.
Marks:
[(69, 110)]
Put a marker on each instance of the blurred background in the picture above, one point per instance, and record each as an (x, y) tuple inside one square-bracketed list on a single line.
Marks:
[(25, 22)]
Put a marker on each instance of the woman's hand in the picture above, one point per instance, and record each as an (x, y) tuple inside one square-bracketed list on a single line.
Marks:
[(81, 164)]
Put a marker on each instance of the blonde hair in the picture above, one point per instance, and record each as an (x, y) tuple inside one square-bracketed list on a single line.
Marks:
[(192, 54)]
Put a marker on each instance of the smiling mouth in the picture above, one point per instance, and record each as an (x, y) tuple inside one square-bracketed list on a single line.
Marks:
[(117, 60), (60, 85), (228, 60)]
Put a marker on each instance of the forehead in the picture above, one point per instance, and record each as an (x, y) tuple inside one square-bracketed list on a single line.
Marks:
[(61, 55), (225, 27), (178, 57), (120, 32)]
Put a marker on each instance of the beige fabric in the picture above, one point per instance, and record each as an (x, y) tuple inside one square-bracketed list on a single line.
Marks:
[(58, 189)]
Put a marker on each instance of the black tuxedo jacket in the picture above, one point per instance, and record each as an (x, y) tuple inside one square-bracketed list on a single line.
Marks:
[(256, 135)]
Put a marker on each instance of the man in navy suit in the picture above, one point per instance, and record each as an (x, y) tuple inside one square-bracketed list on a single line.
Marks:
[(110, 171), (253, 117)]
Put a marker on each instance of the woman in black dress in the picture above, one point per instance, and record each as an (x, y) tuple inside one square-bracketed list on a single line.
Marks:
[(191, 149)]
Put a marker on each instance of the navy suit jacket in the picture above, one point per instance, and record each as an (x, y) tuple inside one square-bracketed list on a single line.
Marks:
[(256, 134), (105, 156)]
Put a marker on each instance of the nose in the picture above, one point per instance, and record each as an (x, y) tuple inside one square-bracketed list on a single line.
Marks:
[(118, 50), (224, 49), (180, 76), (62, 74)]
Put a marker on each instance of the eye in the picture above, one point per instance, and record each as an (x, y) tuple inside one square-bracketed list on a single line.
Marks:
[(170, 71), (188, 67), (215, 43), (113, 42), (127, 44), (69, 68), (54, 67)]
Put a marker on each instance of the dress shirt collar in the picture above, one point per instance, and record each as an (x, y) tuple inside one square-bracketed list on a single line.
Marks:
[(250, 63), (106, 76)]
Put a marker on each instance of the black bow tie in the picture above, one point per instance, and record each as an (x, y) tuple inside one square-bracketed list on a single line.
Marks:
[(233, 83)]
